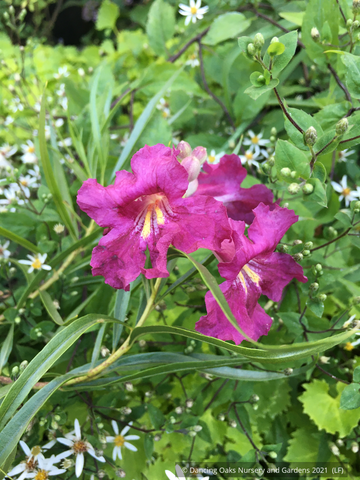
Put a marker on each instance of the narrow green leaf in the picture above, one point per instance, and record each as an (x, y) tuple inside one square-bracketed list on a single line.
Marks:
[(81, 307), (121, 306), (95, 124), (50, 308), (6, 347), (143, 121), (19, 240), (5, 467), (97, 346)]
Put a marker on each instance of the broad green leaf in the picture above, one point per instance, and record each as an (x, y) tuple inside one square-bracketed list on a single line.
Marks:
[(276, 48), (293, 17), (305, 121), (226, 26), (289, 40), (11, 434), (303, 447), (356, 375), (149, 445), (319, 172), (289, 156), (350, 397), (50, 307), (319, 193), (243, 43), (316, 306), (142, 122), (256, 81), (107, 15), (344, 217), (6, 347), (324, 410), (352, 64), (50, 177), (156, 416), (160, 25), (43, 361), (256, 92), (19, 240)]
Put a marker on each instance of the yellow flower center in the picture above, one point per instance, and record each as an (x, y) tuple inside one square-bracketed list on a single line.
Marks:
[(24, 182), (349, 347), (212, 158), (36, 451), (247, 274), (249, 155), (165, 114), (346, 191), (41, 475), (36, 264), (193, 10), (31, 149), (255, 139), (79, 447), (119, 440), (152, 214)]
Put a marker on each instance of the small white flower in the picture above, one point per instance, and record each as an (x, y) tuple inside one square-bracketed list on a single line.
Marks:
[(344, 154), (215, 157), (28, 467), (8, 120), (120, 440), (192, 12), (61, 91), (62, 72), (12, 198), (66, 142), (35, 172), (193, 61), (163, 105), (250, 158), (64, 103), (345, 191), (81, 72), (27, 182), (29, 155), (4, 253), (59, 228), (59, 122), (36, 262), (6, 151), (255, 141), (77, 447), (16, 105)]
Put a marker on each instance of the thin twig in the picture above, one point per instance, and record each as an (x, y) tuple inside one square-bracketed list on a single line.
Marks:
[(273, 22), (206, 86), (247, 435), (331, 241), (198, 37), (216, 394), (332, 376), (341, 11), (286, 113), (339, 82), (118, 99), (350, 139)]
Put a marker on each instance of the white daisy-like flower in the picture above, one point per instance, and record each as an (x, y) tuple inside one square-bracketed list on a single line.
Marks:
[(346, 192), (66, 142), (36, 262), (215, 157), (27, 182), (30, 464), (8, 121), (4, 253), (193, 61), (6, 151), (120, 440), (78, 447), (250, 158), (344, 154), (35, 172), (29, 155), (192, 12), (255, 141), (62, 72), (11, 197), (163, 105), (59, 228)]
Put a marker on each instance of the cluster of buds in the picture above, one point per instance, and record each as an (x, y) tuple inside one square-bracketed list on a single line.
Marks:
[(193, 431), (300, 249), (191, 160), (255, 47), (356, 7)]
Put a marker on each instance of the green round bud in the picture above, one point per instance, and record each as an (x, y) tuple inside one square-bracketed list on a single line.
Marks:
[(266, 167), (322, 297), (272, 139), (318, 267), (273, 131), (298, 257), (355, 300), (273, 455), (283, 248), (332, 232), (261, 79), (314, 287), (23, 365), (17, 320), (308, 245), (271, 162), (297, 242), (308, 188), (6, 16), (310, 136), (274, 40), (349, 22), (357, 205), (293, 174), (254, 398), (293, 188), (57, 418), (22, 16), (251, 50), (259, 41), (341, 126), (14, 371), (285, 172), (221, 417), (356, 24), (100, 426), (288, 371), (315, 34), (356, 210), (11, 10), (356, 6), (192, 433), (306, 253)]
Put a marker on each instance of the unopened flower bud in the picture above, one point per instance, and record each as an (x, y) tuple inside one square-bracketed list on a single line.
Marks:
[(356, 24), (356, 6), (288, 371), (189, 403), (297, 242), (192, 433), (354, 447), (259, 41), (339, 442), (355, 300), (6, 16), (101, 474), (104, 351), (273, 455), (274, 40), (17, 320), (197, 428), (294, 174), (310, 136), (293, 188), (14, 371), (272, 139), (308, 245), (318, 267), (254, 398), (273, 131), (221, 417), (315, 34), (251, 50), (23, 365), (314, 287), (283, 248), (324, 359), (322, 297), (22, 16), (157, 438), (184, 150), (266, 167), (334, 450), (349, 22), (285, 172), (129, 386), (200, 153), (192, 166), (54, 425), (119, 472), (57, 418), (341, 126), (271, 161), (356, 205), (232, 424), (306, 253), (11, 10), (308, 188), (179, 410), (332, 232)]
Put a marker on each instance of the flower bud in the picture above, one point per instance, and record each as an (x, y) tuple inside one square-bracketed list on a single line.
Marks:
[(324, 359), (293, 174), (272, 139), (318, 267), (322, 297), (221, 417), (356, 24), (288, 371), (192, 433), (354, 447), (185, 150), (341, 126), (23, 365), (334, 449), (11, 10), (104, 351), (192, 166), (129, 386), (356, 6), (254, 398), (349, 22), (273, 455), (14, 371), (283, 248), (271, 161), (273, 131), (298, 257), (265, 167), (17, 320), (315, 34), (22, 16), (6, 16), (306, 253), (293, 188), (356, 205), (285, 172), (119, 472), (259, 41), (339, 442), (197, 428), (310, 136), (307, 188), (200, 153), (232, 424), (308, 245), (189, 403), (172, 420), (274, 40), (314, 287), (355, 300), (297, 242), (251, 50), (178, 410), (101, 474)]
